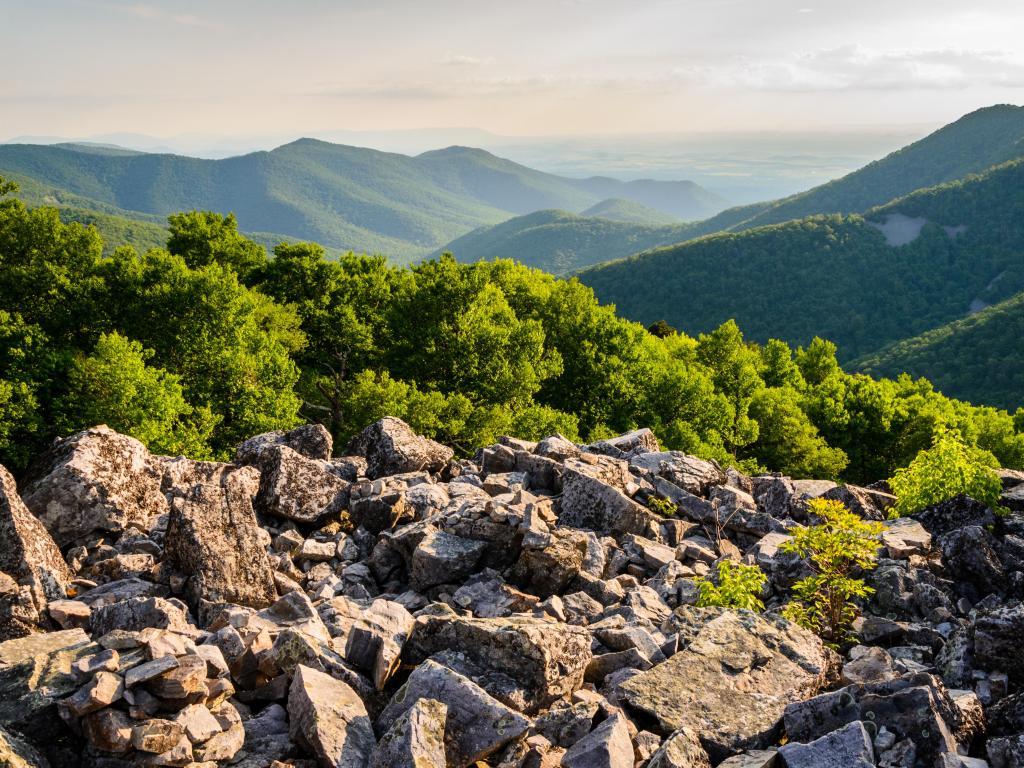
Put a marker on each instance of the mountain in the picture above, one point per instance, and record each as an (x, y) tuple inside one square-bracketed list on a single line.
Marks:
[(344, 197), (973, 143), (682, 199), (618, 209), (978, 358), (863, 281), (561, 242)]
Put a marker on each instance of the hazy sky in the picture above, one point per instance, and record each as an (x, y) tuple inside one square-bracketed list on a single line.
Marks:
[(520, 67)]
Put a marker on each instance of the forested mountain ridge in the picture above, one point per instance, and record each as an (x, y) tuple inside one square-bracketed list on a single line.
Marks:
[(978, 358), (838, 276), (349, 198)]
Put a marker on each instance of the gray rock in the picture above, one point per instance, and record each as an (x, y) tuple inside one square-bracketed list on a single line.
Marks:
[(310, 440), (96, 481), (391, 447), (442, 558), (693, 475), (547, 660), (997, 642), (18, 753), (298, 488), (680, 750), (416, 739), (329, 718), (476, 725), (137, 614), (214, 539), (849, 747), (375, 641), (593, 498), (757, 758), (607, 746), (733, 682)]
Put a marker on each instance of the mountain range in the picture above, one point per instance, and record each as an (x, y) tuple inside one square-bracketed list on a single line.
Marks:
[(347, 198)]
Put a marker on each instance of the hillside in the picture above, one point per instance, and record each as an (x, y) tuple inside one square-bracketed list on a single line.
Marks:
[(973, 143), (617, 209), (345, 197), (978, 358), (841, 277), (560, 242)]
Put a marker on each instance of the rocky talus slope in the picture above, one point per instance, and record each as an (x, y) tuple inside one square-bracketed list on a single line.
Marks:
[(396, 607)]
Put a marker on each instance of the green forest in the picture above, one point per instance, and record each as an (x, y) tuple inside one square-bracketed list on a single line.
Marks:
[(200, 344)]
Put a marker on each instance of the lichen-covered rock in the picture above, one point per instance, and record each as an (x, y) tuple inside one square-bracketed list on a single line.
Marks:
[(326, 715), (607, 746), (680, 750), (310, 440), (849, 747), (476, 725), (214, 540), (29, 556), (298, 488), (391, 447), (732, 683), (415, 739), (547, 660), (18, 753), (96, 481), (442, 558)]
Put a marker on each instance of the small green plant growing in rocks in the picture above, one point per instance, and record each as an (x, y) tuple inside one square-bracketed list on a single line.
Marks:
[(835, 550), (662, 507), (950, 467), (739, 586)]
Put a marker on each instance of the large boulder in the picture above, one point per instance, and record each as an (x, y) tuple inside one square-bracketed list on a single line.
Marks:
[(607, 746), (593, 497), (329, 718), (476, 725), (546, 660), (96, 481), (849, 747), (31, 558), (693, 475), (298, 488), (997, 642), (310, 440), (214, 539), (443, 558), (415, 739), (391, 447), (732, 683)]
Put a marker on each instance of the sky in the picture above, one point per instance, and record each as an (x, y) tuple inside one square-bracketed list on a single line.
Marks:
[(513, 67)]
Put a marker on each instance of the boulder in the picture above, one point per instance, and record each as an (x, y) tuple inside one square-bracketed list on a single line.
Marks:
[(443, 558), (310, 440), (298, 488), (849, 747), (138, 613), (31, 558), (955, 513), (329, 718), (680, 750), (546, 659), (214, 540), (375, 640), (95, 482), (607, 746), (693, 475), (416, 739), (549, 570), (391, 447), (18, 753), (731, 685), (972, 561), (476, 725), (997, 641), (590, 502)]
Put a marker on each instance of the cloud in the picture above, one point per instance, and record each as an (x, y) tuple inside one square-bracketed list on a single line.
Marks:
[(854, 68), (451, 59), (152, 13)]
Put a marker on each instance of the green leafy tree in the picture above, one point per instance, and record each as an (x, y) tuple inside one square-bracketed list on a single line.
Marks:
[(115, 386), (787, 441), (734, 366), (739, 586), (950, 467), (836, 549), (202, 238)]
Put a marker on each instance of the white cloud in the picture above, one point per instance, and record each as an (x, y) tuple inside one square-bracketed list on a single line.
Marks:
[(855, 68)]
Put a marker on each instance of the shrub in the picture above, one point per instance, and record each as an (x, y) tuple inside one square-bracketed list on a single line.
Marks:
[(950, 467), (835, 549), (739, 586), (662, 507)]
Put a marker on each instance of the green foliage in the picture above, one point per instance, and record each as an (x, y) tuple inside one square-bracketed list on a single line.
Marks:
[(204, 238), (835, 549), (115, 385), (662, 507), (950, 467), (739, 586)]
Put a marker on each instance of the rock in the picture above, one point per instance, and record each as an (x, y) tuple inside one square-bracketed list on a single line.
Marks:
[(157, 736), (589, 502), (378, 508), (375, 641), (391, 447), (310, 440), (916, 709), (199, 723), (95, 482), (149, 670), (31, 559), (680, 750), (732, 683), (103, 690), (138, 613), (693, 475), (997, 642), (476, 725), (868, 665), (109, 730), (971, 557), (955, 513), (214, 539), (416, 739), (181, 682), (607, 746), (18, 753), (865, 503), (757, 758), (849, 747), (298, 488), (548, 570), (547, 660), (442, 558), (329, 718), (904, 537)]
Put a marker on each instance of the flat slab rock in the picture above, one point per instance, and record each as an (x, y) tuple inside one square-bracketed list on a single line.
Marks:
[(732, 684)]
